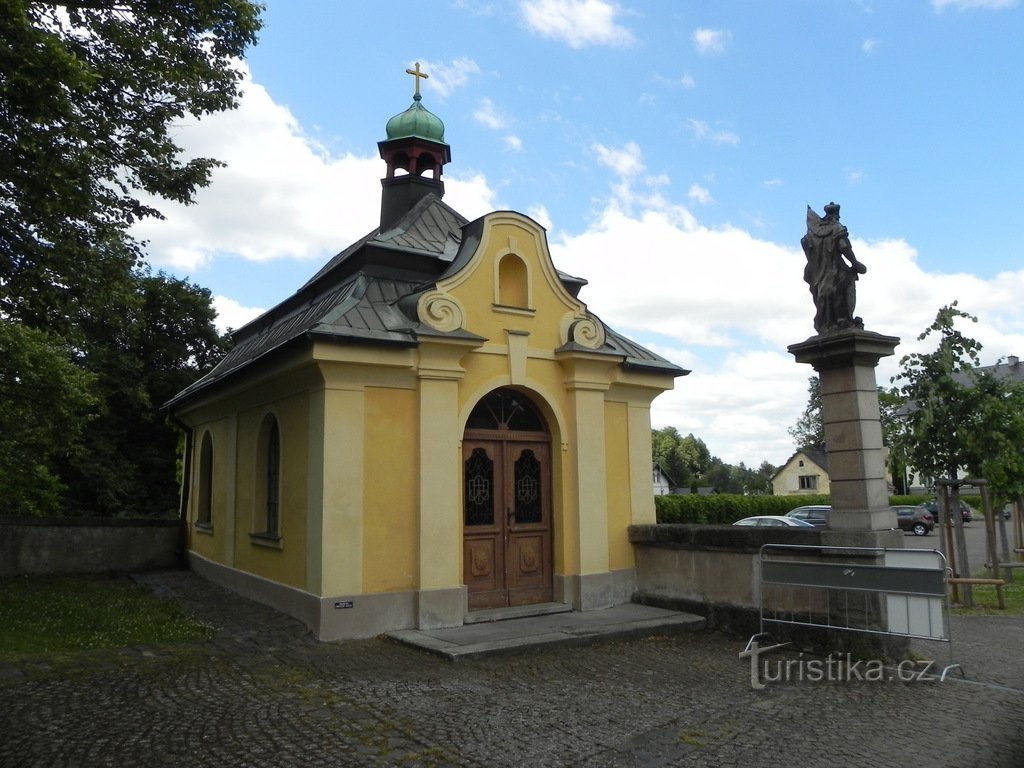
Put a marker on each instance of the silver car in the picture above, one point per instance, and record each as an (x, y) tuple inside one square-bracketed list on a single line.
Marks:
[(816, 515)]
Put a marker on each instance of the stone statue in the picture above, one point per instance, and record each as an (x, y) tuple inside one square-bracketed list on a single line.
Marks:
[(833, 281)]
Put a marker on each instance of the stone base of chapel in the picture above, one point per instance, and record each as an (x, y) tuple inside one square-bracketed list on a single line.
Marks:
[(344, 617)]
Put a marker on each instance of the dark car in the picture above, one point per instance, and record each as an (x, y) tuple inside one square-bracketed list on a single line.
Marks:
[(966, 513), (917, 520), (815, 515)]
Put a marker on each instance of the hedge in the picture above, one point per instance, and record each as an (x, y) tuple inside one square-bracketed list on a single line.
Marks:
[(727, 508)]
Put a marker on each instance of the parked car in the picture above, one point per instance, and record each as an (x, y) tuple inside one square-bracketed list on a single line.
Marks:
[(917, 520), (774, 521), (815, 515), (966, 513)]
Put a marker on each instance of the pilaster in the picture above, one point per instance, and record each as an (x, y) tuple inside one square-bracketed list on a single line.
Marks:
[(441, 598), (845, 363), (587, 378)]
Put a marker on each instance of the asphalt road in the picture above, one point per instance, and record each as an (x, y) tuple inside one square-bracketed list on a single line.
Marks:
[(974, 533)]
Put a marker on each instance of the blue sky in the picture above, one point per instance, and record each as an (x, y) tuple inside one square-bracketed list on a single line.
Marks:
[(670, 148)]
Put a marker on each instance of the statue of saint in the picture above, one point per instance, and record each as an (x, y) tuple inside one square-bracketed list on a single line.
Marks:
[(833, 281)]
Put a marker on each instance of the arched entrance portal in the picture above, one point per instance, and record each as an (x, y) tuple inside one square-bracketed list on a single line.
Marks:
[(506, 453)]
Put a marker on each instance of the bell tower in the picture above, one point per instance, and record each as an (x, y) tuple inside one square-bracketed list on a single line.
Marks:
[(415, 153)]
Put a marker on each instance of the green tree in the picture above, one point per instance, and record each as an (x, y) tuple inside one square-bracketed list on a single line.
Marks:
[(809, 430), (45, 404), (942, 399), (694, 455), (142, 352), (90, 91), (891, 406), (942, 405), (995, 437), (665, 453)]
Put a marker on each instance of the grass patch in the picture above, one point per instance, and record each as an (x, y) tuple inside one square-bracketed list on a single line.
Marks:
[(692, 738), (987, 604), (47, 614)]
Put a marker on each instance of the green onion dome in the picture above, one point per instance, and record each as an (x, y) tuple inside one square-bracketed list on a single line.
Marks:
[(417, 122)]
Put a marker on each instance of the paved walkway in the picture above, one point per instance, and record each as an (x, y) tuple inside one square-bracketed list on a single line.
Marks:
[(557, 630), (262, 692)]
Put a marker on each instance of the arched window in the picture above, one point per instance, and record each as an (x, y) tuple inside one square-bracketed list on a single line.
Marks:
[(506, 409), (204, 512), (267, 523), (513, 282)]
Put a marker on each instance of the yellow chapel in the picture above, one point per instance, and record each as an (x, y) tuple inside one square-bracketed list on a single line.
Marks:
[(433, 427)]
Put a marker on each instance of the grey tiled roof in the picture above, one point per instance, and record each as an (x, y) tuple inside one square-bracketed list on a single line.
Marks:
[(367, 294)]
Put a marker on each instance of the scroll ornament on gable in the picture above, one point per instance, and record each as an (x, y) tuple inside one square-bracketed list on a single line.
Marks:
[(586, 331), (440, 311)]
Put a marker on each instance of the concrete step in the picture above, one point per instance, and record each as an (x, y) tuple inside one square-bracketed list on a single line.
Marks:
[(515, 612), (575, 628)]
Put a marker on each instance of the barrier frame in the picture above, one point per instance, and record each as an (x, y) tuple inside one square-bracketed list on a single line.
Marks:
[(915, 598)]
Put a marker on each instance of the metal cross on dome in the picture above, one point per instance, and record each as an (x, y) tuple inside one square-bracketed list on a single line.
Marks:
[(418, 75)]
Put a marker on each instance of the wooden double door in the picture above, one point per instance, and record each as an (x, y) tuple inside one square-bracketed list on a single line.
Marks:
[(507, 518)]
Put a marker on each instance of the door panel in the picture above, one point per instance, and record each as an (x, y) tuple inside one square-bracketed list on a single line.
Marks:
[(528, 552), (507, 522), (483, 516)]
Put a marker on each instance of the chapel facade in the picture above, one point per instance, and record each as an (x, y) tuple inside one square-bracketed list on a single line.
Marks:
[(433, 425)]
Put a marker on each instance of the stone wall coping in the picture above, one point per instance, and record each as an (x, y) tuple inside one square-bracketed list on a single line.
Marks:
[(91, 522), (720, 538)]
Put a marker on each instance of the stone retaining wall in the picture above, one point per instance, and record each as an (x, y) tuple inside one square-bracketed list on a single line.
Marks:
[(87, 545), (711, 570)]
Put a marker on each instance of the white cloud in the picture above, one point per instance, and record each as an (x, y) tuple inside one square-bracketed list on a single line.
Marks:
[(448, 76), (281, 196), (710, 41), (699, 194), (702, 130), (487, 115), (688, 82), (721, 302), (540, 214), (231, 314), (870, 45), (726, 305), (577, 22), (513, 142), (625, 161), (470, 195), (971, 5)]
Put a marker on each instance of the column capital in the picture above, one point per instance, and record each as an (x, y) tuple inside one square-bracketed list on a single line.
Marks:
[(854, 347)]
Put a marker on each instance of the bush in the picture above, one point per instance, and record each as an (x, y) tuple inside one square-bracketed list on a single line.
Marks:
[(727, 508)]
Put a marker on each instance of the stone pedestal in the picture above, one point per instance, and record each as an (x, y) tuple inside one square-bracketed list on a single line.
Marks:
[(845, 362)]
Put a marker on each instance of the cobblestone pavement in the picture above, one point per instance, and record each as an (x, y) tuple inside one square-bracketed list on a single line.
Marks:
[(262, 692)]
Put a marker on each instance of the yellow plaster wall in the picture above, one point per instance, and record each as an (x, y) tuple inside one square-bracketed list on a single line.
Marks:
[(210, 543), (519, 351), (390, 529), (286, 564), (617, 477), (787, 481), (546, 308)]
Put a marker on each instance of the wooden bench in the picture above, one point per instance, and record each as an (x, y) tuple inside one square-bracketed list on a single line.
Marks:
[(997, 583)]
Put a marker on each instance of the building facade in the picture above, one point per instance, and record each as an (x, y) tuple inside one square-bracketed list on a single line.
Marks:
[(434, 424)]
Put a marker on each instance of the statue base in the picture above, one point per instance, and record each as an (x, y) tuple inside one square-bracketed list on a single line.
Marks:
[(845, 361)]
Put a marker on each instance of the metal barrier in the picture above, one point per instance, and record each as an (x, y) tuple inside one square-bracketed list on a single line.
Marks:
[(874, 590)]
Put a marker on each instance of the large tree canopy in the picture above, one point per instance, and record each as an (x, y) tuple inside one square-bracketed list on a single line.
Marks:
[(89, 95), (809, 431)]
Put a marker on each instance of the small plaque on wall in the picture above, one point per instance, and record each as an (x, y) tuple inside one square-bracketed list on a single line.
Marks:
[(343, 604)]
